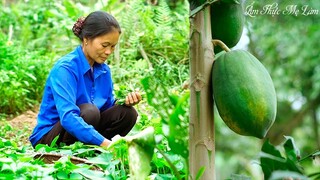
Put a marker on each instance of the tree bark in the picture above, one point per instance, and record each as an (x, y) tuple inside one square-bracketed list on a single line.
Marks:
[(201, 142)]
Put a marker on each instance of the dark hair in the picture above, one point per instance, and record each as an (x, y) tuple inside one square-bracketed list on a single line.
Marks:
[(95, 24)]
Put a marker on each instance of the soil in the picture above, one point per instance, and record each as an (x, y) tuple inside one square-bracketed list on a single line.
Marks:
[(25, 122), (27, 119)]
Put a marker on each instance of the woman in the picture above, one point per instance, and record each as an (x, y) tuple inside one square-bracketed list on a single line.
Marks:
[(78, 103)]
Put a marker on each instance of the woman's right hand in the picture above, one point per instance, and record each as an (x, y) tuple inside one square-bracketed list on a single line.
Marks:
[(133, 98), (105, 143)]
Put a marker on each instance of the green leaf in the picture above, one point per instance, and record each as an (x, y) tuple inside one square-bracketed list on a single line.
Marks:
[(103, 159), (54, 141), (44, 148), (268, 165), (75, 176), (62, 175), (291, 150), (271, 159), (7, 169), (139, 162), (146, 85), (200, 173), (144, 139), (141, 149)]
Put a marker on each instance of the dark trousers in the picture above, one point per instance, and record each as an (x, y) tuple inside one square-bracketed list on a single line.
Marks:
[(118, 119)]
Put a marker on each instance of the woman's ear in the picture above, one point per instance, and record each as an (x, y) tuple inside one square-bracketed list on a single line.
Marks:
[(85, 41)]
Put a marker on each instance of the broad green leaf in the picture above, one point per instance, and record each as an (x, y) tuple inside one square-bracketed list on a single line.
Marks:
[(62, 175), (144, 139), (104, 158), (141, 149), (269, 165), (139, 162), (271, 160), (75, 176), (7, 169)]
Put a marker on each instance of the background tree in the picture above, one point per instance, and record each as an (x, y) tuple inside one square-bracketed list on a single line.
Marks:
[(288, 44)]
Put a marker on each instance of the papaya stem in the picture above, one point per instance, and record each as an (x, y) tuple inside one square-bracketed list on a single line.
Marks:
[(216, 42)]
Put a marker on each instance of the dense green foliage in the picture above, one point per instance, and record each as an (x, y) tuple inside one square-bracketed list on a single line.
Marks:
[(21, 74), (153, 56)]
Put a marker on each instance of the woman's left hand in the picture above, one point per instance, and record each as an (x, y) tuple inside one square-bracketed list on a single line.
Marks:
[(133, 98)]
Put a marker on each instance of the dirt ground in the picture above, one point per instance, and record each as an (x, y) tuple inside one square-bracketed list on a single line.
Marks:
[(27, 119), (24, 122)]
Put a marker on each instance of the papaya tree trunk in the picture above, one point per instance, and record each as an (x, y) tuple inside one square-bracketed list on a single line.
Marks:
[(201, 129)]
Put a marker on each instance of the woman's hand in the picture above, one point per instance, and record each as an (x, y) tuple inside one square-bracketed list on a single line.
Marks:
[(133, 98), (105, 143)]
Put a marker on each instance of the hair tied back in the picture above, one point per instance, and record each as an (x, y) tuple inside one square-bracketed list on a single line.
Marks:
[(77, 27)]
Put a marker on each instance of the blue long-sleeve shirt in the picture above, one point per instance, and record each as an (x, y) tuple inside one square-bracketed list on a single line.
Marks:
[(70, 84)]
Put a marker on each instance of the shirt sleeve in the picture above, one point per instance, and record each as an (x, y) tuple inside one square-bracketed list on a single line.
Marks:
[(64, 88)]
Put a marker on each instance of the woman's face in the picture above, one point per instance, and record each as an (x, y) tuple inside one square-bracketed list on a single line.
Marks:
[(98, 49)]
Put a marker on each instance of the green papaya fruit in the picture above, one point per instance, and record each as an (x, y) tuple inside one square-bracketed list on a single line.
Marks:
[(244, 93), (227, 22)]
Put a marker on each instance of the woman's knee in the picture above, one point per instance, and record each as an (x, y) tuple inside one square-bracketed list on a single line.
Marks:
[(130, 113), (90, 113), (126, 114)]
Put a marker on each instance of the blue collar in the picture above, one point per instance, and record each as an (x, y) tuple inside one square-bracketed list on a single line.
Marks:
[(85, 67)]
